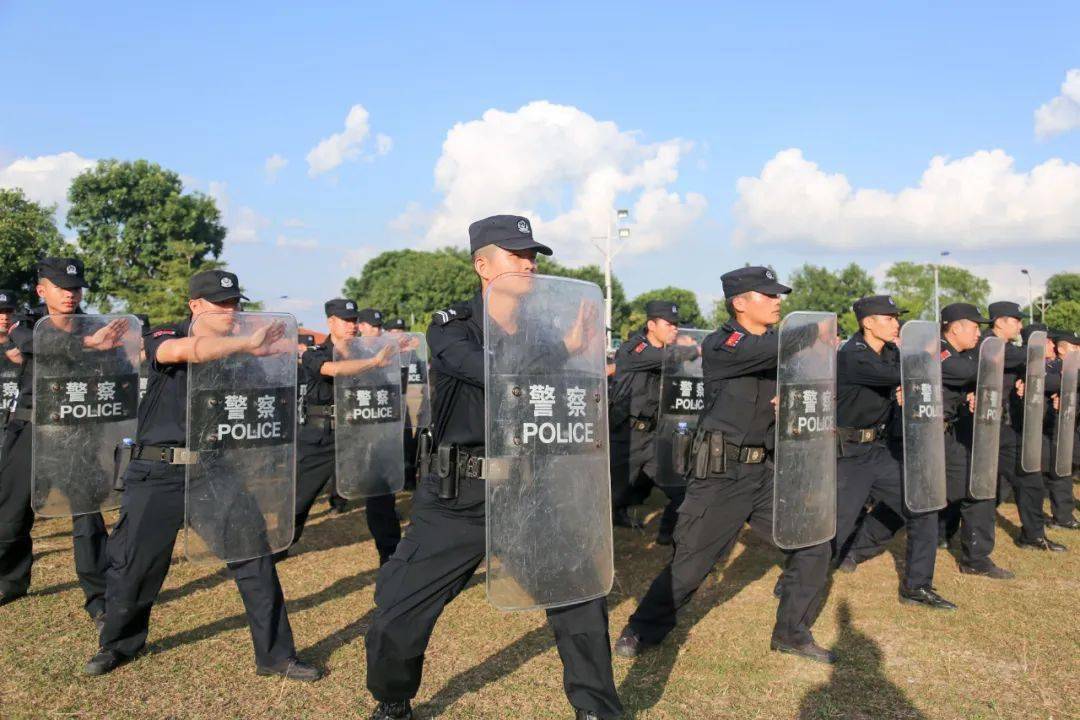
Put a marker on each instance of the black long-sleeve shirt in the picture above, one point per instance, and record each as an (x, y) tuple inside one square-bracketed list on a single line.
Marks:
[(740, 382), (959, 374), (866, 383)]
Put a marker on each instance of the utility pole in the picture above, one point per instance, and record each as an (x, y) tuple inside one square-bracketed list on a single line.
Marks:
[(614, 229)]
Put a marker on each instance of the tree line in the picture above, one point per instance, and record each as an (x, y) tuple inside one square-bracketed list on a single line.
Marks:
[(142, 235)]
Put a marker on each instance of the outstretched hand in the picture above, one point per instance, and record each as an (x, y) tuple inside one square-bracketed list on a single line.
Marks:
[(583, 331), (108, 336), (261, 342)]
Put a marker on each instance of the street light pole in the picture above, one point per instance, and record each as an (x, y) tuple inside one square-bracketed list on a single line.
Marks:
[(937, 302), (609, 254), (1031, 302)]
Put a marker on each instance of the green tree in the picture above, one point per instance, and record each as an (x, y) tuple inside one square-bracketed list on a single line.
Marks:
[(686, 300), (27, 233), (1064, 315), (1063, 286), (719, 314), (128, 217), (912, 286), (413, 284), (165, 300), (818, 288), (620, 308)]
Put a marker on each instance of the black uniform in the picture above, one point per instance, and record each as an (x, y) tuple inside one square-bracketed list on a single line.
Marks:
[(736, 434), (1026, 486), (635, 404), (870, 465), (315, 456), (445, 543), (1058, 487), (16, 517), (152, 513)]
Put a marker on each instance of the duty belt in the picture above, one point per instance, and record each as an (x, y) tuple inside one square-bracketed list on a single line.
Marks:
[(164, 453), (747, 454), (319, 415), (861, 435)]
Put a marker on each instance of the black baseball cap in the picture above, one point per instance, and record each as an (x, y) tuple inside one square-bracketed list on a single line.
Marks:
[(746, 279), (7, 301), (876, 305), (1056, 334), (962, 311), (395, 324), (1027, 330), (371, 316), (1006, 309), (1069, 337), (67, 273), (510, 232), (341, 308), (663, 309), (305, 339), (215, 286)]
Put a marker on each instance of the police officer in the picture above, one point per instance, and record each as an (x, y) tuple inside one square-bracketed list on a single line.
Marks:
[(732, 479), (395, 325), (60, 287), (1027, 488), (1058, 487), (870, 462), (409, 359), (152, 505), (445, 542), (1063, 516), (315, 457), (975, 519), (9, 358), (635, 405)]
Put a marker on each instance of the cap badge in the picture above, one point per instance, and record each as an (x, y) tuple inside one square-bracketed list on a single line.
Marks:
[(377, 315), (769, 275), (891, 302), (523, 226), (349, 306), (72, 270), (226, 282), (3, 298), (674, 310)]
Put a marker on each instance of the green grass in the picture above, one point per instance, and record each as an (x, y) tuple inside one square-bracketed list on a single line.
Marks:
[(1012, 650)]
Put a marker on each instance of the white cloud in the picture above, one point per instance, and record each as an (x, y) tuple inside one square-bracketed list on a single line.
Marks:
[(565, 170), (293, 223), (297, 243), (273, 165), (978, 201), (353, 261), (46, 178), (294, 305), (1062, 113), (242, 223), (346, 145)]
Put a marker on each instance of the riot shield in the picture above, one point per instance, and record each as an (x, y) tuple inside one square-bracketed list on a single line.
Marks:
[(1031, 437), (369, 417), (923, 417), (1065, 431), (549, 540), (682, 398), (9, 388), (240, 494), (414, 362), (986, 431), (804, 473), (86, 399)]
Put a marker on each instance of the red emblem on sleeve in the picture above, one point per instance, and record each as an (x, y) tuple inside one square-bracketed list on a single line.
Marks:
[(733, 339), (159, 333), (945, 354), (641, 346)]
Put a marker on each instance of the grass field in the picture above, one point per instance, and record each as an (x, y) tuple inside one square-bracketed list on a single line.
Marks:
[(1012, 651)]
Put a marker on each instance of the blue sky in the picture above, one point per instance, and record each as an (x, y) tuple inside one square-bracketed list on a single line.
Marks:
[(212, 90)]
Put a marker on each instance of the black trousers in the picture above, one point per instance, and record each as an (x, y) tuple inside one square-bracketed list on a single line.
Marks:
[(633, 466), (1027, 487), (974, 519), (17, 520), (441, 550), (314, 469), (1060, 490), (710, 520), (873, 471), (140, 551)]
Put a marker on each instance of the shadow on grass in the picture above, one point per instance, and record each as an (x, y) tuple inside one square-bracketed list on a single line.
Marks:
[(1010, 528), (46, 553), (56, 589), (858, 687), (644, 684)]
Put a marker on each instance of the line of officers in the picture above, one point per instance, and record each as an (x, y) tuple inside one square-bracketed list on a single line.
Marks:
[(717, 481)]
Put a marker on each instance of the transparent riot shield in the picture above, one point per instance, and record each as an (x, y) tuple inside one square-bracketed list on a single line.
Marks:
[(986, 431), (86, 400), (1031, 437), (9, 387), (240, 497), (549, 540), (1065, 431), (923, 416), (414, 363), (682, 398), (369, 417), (804, 475)]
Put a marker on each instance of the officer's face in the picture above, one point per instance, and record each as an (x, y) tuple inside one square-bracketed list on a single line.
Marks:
[(340, 328), (965, 334), (493, 261), (60, 301), (369, 330), (1008, 327), (218, 318), (663, 330), (1051, 351), (1064, 348), (758, 308), (884, 327), (5, 322)]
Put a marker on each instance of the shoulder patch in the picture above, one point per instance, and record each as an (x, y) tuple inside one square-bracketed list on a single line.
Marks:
[(640, 347), (454, 312), (162, 332), (734, 339), (945, 354)]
